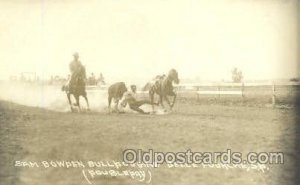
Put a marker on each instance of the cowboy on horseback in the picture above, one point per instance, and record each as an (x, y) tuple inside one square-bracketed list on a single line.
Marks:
[(76, 83)]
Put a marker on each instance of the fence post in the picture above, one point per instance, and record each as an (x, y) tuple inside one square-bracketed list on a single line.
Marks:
[(273, 94)]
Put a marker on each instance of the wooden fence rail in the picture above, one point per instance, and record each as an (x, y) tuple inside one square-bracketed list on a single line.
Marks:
[(240, 88)]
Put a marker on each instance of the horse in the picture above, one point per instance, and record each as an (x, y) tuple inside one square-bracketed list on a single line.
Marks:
[(76, 87), (116, 91), (163, 86)]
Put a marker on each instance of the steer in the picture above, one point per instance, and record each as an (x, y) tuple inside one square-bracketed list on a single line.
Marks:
[(116, 91)]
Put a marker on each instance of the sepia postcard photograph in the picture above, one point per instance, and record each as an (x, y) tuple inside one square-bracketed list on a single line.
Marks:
[(140, 92)]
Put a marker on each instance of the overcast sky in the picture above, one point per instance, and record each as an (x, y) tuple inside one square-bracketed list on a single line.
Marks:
[(136, 39)]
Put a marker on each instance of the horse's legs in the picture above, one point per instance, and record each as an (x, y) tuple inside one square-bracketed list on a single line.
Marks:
[(151, 94), (116, 105), (70, 101), (78, 103), (87, 102), (173, 102), (161, 97), (174, 99), (151, 99), (109, 103), (168, 101)]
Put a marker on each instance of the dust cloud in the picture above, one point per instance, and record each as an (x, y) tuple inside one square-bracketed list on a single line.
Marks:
[(49, 96)]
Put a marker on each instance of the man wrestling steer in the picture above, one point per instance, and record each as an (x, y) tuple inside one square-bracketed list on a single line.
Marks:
[(129, 98)]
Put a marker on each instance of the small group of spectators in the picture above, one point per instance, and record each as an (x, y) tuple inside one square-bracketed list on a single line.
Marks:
[(57, 80), (30, 78), (92, 80)]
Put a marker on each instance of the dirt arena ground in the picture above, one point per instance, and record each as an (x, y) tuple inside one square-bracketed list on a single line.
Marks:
[(34, 134)]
